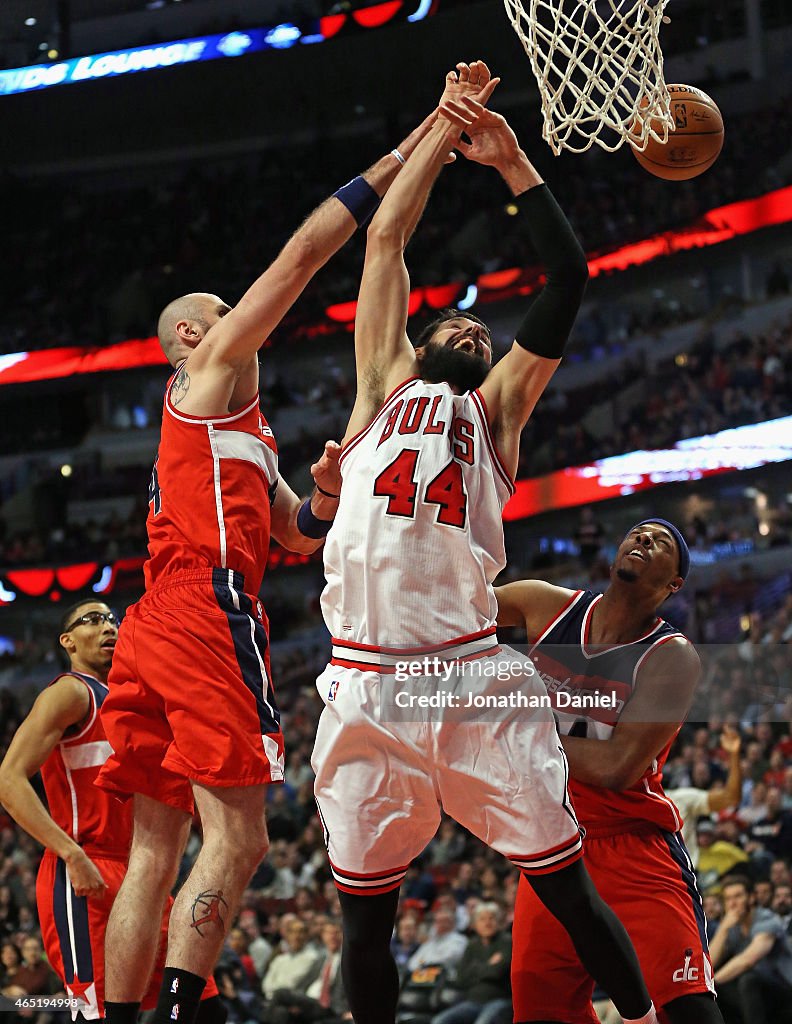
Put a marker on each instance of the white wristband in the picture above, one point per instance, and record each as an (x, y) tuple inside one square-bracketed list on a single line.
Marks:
[(399, 157)]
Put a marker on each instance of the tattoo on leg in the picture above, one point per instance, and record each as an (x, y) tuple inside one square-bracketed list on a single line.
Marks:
[(207, 909), (181, 386)]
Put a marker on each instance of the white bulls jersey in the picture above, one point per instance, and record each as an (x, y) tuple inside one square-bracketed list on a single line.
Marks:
[(418, 537)]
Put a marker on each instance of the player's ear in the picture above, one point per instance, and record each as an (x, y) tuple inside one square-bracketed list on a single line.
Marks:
[(186, 331), (66, 642), (675, 584)]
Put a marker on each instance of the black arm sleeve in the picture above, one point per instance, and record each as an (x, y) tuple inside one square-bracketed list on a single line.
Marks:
[(547, 325)]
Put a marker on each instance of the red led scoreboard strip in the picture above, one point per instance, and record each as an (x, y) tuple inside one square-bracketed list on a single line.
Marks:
[(739, 448), (718, 225)]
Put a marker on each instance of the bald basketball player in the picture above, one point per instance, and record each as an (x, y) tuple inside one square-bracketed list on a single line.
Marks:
[(191, 713)]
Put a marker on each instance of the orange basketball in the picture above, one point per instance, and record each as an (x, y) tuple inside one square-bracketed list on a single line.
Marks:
[(693, 145)]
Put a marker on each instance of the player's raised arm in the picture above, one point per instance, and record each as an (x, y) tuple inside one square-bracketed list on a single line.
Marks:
[(230, 337), (383, 353), (516, 382), (64, 704)]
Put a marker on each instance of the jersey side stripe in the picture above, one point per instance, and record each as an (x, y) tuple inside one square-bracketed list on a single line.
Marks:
[(185, 417), (218, 491), (481, 408), (649, 650), (557, 618)]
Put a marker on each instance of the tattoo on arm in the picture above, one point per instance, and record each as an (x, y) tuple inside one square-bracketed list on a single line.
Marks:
[(181, 386), (207, 909)]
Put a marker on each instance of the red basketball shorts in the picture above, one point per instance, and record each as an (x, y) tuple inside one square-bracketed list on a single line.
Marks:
[(190, 692), (646, 877), (73, 930)]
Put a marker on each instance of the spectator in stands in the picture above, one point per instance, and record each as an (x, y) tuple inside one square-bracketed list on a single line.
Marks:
[(444, 946), (589, 534), (449, 843), (483, 973), (243, 1007), (751, 956), (694, 803), (10, 964), (326, 998), (763, 893), (782, 905), (780, 873), (464, 884), (713, 911), (319, 999), (35, 975), (774, 831), (297, 967), (405, 941), (717, 857), (236, 955), (259, 950)]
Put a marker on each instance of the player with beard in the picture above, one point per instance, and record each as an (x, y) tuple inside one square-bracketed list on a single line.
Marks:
[(427, 463), (85, 832), (615, 645)]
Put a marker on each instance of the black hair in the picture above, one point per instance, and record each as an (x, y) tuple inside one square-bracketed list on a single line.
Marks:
[(70, 613), (67, 617), (742, 880), (449, 313)]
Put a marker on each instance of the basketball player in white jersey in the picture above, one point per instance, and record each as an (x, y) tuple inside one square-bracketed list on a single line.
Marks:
[(427, 465)]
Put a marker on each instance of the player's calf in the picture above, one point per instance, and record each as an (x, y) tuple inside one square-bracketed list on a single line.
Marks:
[(371, 979)]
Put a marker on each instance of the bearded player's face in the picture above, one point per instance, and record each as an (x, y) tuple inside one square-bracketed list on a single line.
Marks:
[(459, 353), (464, 335)]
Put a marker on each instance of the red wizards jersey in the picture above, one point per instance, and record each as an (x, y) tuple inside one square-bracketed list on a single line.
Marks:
[(90, 815), (571, 668), (210, 492)]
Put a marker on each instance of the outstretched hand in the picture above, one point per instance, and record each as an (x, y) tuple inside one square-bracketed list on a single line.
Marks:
[(492, 141), (469, 80), (326, 472)]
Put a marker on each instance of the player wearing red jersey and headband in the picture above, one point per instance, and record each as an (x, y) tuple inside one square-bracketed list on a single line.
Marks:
[(86, 833), (191, 713), (616, 646)]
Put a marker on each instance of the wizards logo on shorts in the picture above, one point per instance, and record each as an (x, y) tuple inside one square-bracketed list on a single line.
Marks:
[(333, 690)]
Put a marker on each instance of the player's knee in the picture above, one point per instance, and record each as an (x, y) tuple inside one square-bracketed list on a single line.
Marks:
[(569, 903), (156, 868), (256, 844), (368, 923), (242, 849)]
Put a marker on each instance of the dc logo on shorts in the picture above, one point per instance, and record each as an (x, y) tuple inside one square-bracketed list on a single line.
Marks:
[(333, 690)]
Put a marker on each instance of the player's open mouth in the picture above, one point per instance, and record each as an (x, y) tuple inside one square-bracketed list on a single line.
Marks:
[(108, 645), (635, 553), (465, 343)]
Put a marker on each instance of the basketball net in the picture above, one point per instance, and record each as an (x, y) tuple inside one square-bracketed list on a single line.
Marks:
[(600, 70)]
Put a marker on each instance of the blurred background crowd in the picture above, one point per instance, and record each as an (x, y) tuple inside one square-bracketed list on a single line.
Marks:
[(685, 347)]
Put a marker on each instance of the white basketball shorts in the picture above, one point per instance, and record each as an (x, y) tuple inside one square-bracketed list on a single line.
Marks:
[(480, 744)]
